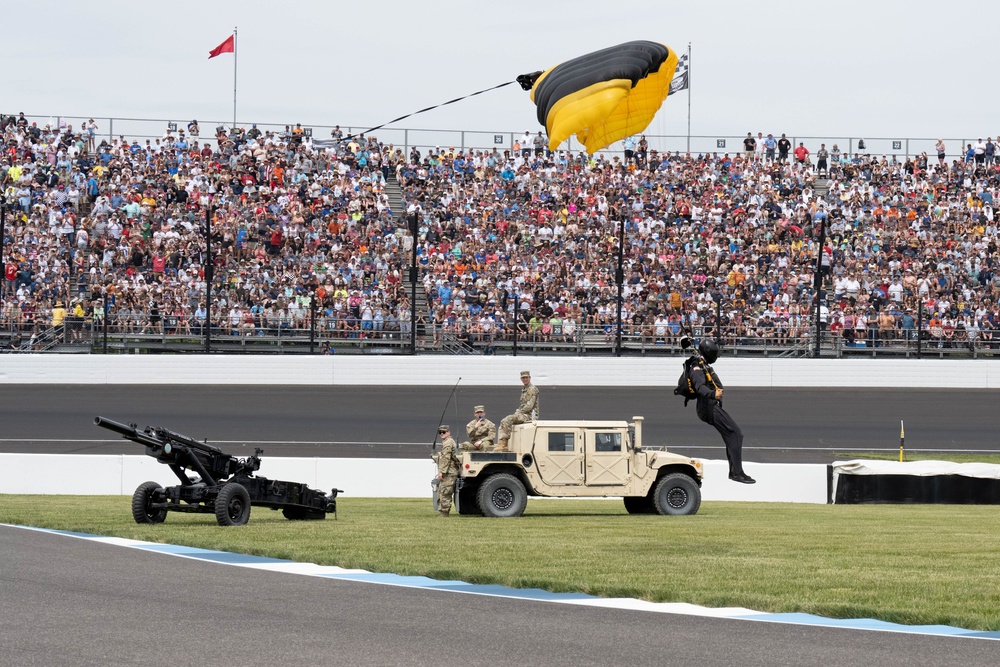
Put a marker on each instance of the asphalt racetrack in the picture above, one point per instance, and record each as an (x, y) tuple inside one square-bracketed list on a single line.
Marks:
[(68, 601), (779, 425)]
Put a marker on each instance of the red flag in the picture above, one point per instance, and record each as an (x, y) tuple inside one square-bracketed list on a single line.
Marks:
[(228, 46)]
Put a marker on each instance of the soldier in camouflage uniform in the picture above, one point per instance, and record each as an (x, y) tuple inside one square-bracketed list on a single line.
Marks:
[(526, 411), (447, 462), (481, 432)]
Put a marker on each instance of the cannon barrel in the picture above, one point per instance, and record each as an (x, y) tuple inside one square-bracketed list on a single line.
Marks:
[(130, 432), (117, 427)]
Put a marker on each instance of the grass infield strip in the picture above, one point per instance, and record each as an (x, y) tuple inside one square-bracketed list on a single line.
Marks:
[(912, 564)]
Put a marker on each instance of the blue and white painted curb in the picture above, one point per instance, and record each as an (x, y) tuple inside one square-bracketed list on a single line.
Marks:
[(347, 574)]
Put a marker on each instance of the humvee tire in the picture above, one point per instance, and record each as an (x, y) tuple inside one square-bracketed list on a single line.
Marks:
[(467, 503), (141, 511), (639, 505), (232, 505), (676, 494), (502, 495)]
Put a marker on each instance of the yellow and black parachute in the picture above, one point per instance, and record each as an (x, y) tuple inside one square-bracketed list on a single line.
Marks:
[(603, 96)]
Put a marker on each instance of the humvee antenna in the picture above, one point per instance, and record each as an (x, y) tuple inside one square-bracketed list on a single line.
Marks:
[(441, 421)]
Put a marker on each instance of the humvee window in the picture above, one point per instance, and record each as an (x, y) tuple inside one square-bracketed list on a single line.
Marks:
[(608, 442), (561, 442)]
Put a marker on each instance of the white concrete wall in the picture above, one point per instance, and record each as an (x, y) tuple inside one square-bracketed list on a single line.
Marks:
[(486, 371), (114, 475)]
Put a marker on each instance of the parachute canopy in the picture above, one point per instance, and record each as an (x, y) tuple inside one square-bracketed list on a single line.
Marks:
[(603, 96)]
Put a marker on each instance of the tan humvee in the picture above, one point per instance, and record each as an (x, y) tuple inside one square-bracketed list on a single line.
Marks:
[(578, 458)]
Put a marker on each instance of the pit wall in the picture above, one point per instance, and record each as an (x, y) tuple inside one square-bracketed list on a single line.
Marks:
[(488, 371)]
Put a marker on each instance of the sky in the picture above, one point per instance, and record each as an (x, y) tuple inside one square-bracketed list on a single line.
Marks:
[(877, 68)]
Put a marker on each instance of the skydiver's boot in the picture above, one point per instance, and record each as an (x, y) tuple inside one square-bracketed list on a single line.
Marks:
[(443, 514)]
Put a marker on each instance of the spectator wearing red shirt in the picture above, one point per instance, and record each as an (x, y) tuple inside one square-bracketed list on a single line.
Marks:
[(801, 153)]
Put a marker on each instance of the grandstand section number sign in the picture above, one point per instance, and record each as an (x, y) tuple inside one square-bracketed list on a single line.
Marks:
[(897, 145), (498, 139), (720, 143), (172, 127)]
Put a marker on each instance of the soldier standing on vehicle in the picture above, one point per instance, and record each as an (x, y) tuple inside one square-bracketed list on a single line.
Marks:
[(481, 432), (526, 411), (709, 389), (447, 470)]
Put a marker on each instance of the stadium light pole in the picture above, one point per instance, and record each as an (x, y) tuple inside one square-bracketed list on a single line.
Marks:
[(104, 321), (414, 228), (312, 321), (209, 266), (818, 285), (3, 235), (717, 297), (516, 318), (620, 281)]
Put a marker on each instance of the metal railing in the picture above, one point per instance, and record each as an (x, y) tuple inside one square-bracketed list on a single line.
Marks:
[(97, 337), (140, 129)]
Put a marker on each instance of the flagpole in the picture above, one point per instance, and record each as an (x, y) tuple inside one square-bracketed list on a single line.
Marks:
[(236, 53), (689, 97)]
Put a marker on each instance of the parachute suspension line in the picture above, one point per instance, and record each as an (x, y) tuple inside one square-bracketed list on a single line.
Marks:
[(457, 99)]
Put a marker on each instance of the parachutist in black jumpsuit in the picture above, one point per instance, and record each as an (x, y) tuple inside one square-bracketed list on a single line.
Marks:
[(709, 409)]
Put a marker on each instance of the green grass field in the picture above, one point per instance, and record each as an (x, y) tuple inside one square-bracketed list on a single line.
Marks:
[(915, 564)]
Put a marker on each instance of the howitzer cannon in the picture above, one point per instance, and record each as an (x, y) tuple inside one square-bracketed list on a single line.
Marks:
[(225, 485)]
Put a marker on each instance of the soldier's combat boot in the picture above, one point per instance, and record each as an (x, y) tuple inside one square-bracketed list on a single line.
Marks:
[(443, 513), (501, 446)]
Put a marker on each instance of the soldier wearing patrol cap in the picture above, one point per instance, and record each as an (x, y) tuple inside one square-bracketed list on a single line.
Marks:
[(447, 463), (526, 411), (481, 432)]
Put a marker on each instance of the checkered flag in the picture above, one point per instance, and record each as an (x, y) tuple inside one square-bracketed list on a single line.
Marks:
[(681, 79)]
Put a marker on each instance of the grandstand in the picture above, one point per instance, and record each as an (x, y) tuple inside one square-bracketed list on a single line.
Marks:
[(516, 249)]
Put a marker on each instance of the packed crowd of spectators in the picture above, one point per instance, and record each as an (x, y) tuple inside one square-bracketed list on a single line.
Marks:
[(710, 240), (521, 238), (121, 222)]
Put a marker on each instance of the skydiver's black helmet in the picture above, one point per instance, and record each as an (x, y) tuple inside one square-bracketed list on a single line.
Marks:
[(709, 350)]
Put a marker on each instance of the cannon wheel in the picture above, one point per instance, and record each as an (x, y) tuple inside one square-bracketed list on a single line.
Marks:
[(232, 505), (303, 514), (141, 499)]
